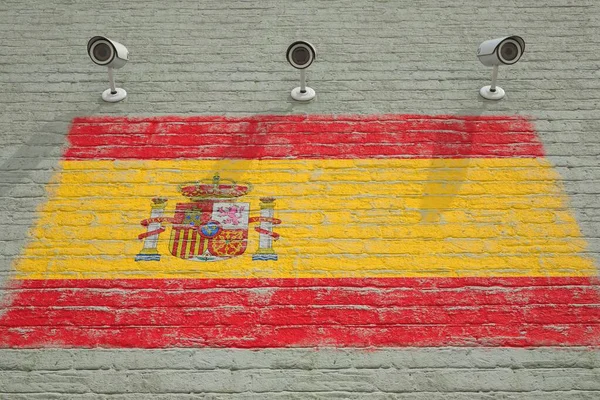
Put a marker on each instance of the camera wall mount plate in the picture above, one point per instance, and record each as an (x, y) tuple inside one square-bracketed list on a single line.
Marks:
[(108, 96), (308, 94), (486, 93)]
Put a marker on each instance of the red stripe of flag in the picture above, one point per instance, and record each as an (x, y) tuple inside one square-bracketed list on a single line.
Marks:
[(304, 312), (314, 137)]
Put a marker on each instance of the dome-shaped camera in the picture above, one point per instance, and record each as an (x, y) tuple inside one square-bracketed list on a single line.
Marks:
[(113, 55), (506, 50), (301, 55)]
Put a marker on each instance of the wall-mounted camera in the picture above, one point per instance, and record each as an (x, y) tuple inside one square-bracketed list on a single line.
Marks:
[(495, 52), (301, 55), (113, 55)]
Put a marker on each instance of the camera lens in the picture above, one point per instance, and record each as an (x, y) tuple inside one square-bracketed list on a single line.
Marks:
[(102, 52), (509, 51), (300, 55)]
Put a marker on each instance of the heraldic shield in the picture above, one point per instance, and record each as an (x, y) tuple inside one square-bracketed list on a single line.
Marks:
[(209, 230)]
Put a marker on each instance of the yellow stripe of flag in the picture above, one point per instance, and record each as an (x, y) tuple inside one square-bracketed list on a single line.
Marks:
[(340, 218)]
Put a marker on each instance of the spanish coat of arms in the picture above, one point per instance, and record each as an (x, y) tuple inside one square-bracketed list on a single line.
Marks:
[(212, 226)]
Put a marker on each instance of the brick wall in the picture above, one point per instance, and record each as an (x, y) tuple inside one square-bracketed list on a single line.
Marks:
[(373, 58)]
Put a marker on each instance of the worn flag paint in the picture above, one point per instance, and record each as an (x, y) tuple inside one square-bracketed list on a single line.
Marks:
[(277, 231)]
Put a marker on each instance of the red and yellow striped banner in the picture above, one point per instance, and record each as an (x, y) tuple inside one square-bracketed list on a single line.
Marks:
[(275, 231)]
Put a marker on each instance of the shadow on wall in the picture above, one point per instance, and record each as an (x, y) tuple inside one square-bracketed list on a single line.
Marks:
[(24, 176), (433, 205)]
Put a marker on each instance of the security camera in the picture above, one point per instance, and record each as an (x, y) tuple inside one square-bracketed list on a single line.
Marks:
[(506, 50), (301, 55), (108, 53), (495, 52)]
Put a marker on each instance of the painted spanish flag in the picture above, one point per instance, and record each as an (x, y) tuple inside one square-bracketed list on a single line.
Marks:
[(278, 231)]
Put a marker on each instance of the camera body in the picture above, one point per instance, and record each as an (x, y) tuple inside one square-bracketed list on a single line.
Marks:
[(301, 54), (502, 51), (107, 53)]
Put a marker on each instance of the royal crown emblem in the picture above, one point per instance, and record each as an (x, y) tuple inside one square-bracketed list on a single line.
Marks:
[(212, 226)]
